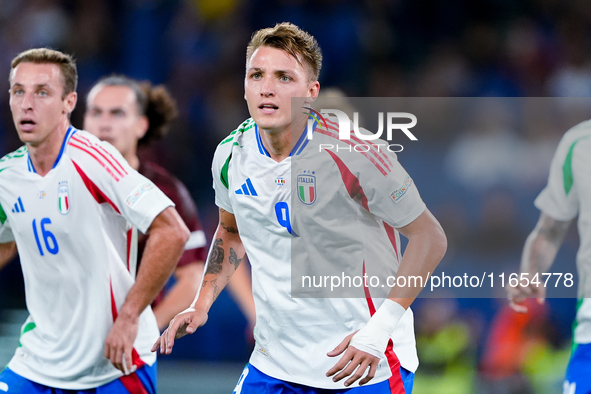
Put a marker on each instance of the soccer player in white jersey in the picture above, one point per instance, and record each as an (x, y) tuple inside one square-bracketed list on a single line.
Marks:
[(566, 196), (71, 205), (128, 114), (309, 345)]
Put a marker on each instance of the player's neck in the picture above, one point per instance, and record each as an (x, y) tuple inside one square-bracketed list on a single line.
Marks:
[(277, 143), (44, 154), (133, 161), (280, 143)]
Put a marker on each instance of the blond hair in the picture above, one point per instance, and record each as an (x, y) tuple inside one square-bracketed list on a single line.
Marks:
[(65, 62), (291, 39)]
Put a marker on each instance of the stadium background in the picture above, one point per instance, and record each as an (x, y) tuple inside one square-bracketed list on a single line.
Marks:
[(421, 48)]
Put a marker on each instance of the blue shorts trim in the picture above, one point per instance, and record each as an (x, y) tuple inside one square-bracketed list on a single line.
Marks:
[(408, 380), (253, 381), (577, 379), (13, 383)]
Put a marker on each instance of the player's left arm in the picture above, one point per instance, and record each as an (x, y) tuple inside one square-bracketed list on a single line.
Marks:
[(7, 253), (168, 235), (189, 269), (426, 247), (539, 252), (187, 278)]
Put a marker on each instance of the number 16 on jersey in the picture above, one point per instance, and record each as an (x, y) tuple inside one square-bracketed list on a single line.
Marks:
[(46, 235)]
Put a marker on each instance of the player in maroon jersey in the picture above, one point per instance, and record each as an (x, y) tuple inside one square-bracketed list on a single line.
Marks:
[(128, 114)]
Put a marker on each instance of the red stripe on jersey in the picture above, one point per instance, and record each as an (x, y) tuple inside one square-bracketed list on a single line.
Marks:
[(104, 165), (395, 381), (351, 182), (133, 384), (98, 195), (129, 235), (135, 357), (331, 134), (117, 162), (113, 303), (392, 236), (103, 152), (381, 156), (370, 305)]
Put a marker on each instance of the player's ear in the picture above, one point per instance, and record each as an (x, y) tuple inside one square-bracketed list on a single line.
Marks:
[(70, 102), (313, 90)]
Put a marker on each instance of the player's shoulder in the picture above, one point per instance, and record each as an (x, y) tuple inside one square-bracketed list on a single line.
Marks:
[(237, 139), (90, 153), (354, 152), (160, 176), (13, 158), (153, 171), (245, 129), (81, 144), (575, 134), (170, 185)]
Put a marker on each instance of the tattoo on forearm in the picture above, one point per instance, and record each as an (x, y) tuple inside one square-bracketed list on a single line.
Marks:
[(230, 229), (214, 265), (554, 232), (234, 260), (216, 288)]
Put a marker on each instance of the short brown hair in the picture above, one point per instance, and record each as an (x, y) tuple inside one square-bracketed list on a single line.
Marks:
[(153, 102), (65, 62), (291, 39)]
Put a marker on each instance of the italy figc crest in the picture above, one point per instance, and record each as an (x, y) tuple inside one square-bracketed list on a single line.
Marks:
[(63, 198), (307, 187)]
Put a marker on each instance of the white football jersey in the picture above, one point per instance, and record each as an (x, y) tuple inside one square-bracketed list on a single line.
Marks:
[(566, 196), (75, 245), (312, 213)]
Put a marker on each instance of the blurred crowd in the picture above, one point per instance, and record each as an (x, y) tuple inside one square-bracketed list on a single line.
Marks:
[(479, 178)]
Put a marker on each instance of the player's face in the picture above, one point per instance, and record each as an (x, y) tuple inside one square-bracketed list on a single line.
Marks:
[(38, 108), (112, 115), (273, 77)]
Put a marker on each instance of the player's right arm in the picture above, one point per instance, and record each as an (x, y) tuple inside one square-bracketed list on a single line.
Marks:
[(240, 288), (225, 254), (539, 251), (7, 253), (559, 204), (7, 243)]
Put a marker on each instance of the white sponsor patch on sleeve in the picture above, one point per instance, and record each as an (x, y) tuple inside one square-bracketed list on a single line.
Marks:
[(135, 196), (399, 193), (196, 240)]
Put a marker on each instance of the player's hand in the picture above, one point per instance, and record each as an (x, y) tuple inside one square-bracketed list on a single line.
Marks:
[(354, 363), (186, 322), (119, 343), (517, 296)]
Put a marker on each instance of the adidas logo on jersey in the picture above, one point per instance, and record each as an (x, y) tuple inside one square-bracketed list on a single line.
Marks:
[(247, 189), (18, 206)]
